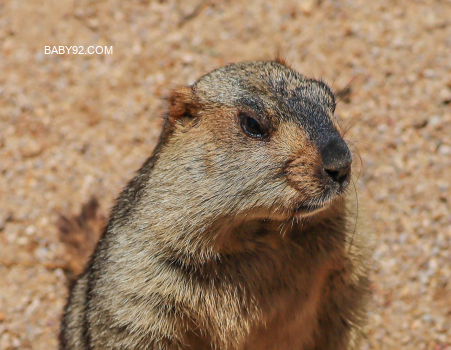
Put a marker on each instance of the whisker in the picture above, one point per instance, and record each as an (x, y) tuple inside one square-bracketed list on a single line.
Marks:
[(356, 218), (350, 127), (338, 75), (356, 150)]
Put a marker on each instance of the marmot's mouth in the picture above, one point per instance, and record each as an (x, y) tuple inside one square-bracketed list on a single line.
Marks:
[(309, 209)]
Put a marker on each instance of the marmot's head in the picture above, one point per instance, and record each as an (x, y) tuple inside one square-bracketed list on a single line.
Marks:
[(258, 139)]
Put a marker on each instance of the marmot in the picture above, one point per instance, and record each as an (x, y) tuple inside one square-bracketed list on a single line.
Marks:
[(237, 233)]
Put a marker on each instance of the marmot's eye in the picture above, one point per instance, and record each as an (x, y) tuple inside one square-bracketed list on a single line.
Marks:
[(251, 126)]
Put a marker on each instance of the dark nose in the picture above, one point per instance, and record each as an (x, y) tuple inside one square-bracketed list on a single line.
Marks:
[(337, 159)]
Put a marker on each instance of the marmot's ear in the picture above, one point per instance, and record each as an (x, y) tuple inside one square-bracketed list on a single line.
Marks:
[(183, 104), (281, 60)]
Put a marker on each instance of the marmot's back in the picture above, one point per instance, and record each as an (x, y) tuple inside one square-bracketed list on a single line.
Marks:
[(236, 233)]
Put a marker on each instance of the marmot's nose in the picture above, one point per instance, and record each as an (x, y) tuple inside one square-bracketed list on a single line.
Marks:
[(336, 159)]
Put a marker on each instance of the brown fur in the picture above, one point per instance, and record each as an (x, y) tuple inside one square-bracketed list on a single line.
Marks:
[(225, 241), (80, 234)]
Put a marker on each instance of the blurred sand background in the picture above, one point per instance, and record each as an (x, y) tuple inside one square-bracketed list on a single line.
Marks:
[(72, 126)]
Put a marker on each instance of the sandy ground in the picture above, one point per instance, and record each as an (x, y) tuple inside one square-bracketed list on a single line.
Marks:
[(76, 125)]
